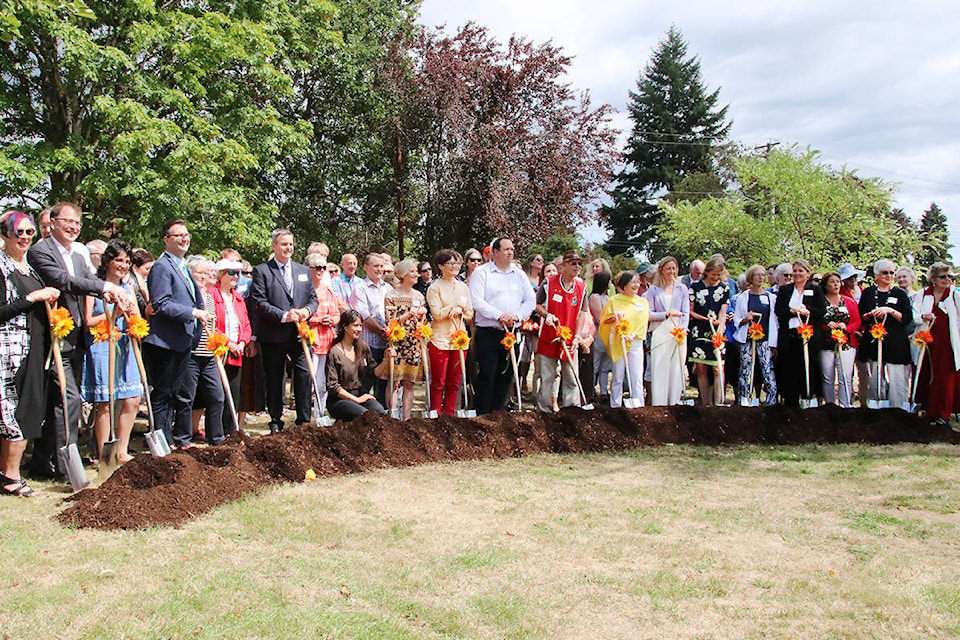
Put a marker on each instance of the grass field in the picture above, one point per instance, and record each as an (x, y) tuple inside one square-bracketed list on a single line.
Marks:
[(671, 542)]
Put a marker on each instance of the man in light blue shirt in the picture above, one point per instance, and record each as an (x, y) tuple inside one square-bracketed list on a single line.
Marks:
[(502, 298), (367, 299)]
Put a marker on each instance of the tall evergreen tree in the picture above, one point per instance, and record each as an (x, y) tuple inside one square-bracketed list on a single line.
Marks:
[(934, 236), (676, 126)]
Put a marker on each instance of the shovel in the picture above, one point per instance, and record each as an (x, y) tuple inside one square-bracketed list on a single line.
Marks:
[(516, 372), (109, 454), (808, 402), (464, 412), (912, 406), (576, 377), (838, 360), (720, 384), (430, 413), (322, 420), (878, 403), (396, 411), (631, 402), (156, 441), (68, 455), (751, 400)]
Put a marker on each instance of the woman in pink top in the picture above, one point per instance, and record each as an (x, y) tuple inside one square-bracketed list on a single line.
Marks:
[(449, 301), (324, 325)]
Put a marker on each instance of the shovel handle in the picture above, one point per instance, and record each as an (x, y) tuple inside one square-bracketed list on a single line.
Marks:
[(313, 376), (61, 375)]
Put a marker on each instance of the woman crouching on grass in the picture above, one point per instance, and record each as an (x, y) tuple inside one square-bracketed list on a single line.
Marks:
[(350, 365)]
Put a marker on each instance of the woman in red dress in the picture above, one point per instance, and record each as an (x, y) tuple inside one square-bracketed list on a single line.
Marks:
[(938, 311)]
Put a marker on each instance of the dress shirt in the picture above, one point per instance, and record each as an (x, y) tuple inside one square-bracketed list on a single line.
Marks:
[(368, 301), (495, 292), (67, 254), (343, 286)]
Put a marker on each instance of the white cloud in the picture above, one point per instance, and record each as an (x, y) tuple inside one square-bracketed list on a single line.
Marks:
[(873, 85)]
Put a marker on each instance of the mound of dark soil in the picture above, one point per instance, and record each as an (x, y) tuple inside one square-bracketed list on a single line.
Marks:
[(168, 491)]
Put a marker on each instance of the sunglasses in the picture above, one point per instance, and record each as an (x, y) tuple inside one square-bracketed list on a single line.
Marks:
[(233, 272), (428, 269), (946, 276), (26, 233), (323, 268), (887, 273), (475, 260)]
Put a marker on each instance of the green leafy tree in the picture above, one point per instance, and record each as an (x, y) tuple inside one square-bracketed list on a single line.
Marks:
[(677, 128), (934, 236), (142, 112), (789, 205)]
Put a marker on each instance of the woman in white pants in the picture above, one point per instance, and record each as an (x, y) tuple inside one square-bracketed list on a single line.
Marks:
[(669, 309), (838, 355), (630, 308)]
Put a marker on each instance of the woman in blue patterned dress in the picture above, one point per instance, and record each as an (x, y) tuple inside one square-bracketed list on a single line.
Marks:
[(709, 298), (114, 266)]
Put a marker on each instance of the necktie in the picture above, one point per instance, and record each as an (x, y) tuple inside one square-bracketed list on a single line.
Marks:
[(287, 276)]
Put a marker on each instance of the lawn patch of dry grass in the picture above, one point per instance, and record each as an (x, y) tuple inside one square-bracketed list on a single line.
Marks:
[(673, 542)]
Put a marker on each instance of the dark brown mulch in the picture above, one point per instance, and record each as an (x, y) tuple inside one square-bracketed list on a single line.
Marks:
[(171, 490)]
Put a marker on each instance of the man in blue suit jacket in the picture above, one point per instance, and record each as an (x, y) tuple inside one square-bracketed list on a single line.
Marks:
[(174, 329), (283, 295)]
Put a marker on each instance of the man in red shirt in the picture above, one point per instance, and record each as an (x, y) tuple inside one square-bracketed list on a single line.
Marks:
[(561, 302)]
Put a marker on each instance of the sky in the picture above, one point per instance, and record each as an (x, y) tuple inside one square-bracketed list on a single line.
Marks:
[(874, 86)]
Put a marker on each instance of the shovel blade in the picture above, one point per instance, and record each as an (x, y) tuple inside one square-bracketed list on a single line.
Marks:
[(878, 404), (430, 415), (157, 443), (466, 413), (589, 407), (629, 403), (810, 403), (109, 460), (324, 421), (911, 407), (70, 460), (749, 402)]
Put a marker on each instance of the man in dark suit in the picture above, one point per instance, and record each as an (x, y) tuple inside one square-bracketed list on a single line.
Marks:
[(283, 295), (64, 263), (174, 330)]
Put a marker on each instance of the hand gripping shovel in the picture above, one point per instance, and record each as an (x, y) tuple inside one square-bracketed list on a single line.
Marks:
[(430, 413), (322, 420), (68, 454), (109, 454), (808, 402), (463, 411), (156, 441), (635, 400)]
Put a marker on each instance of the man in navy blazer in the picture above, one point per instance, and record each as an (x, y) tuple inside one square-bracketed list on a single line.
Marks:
[(63, 263), (283, 295), (175, 326)]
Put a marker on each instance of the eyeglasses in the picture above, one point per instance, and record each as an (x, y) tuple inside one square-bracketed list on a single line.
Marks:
[(70, 221), (452, 263), (887, 273), (474, 259), (319, 268), (232, 272), (179, 236), (26, 233)]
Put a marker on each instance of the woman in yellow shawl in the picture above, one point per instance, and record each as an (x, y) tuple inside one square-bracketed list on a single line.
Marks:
[(624, 319)]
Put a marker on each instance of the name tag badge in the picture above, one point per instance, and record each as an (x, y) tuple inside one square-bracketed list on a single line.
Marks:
[(638, 306), (302, 277), (891, 300), (557, 297), (765, 302), (807, 293)]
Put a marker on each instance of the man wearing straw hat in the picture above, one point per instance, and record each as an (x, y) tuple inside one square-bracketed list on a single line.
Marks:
[(64, 263), (562, 303)]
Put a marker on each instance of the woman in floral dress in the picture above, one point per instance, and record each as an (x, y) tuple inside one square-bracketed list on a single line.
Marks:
[(408, 306), (709, 298)]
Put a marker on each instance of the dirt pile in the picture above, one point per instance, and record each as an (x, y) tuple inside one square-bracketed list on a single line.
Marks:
[(171, 490)]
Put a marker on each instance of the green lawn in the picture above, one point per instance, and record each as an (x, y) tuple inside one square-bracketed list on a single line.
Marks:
[(671, 542)]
